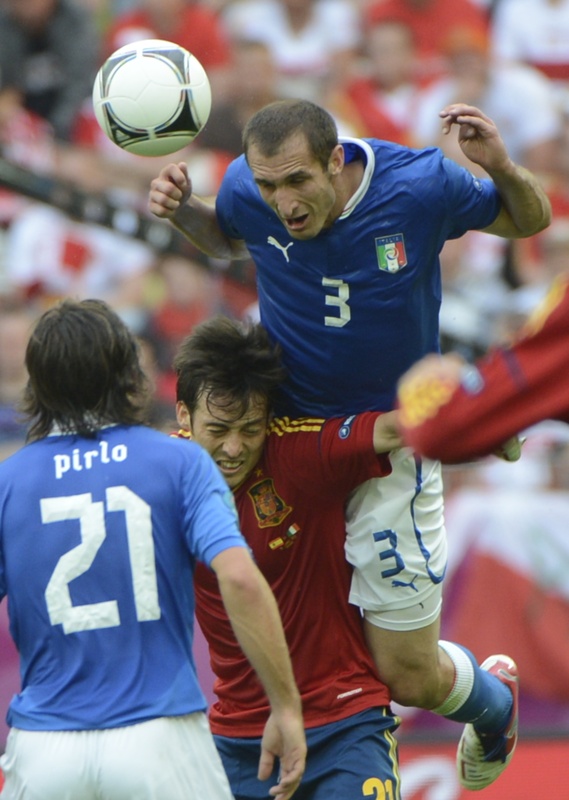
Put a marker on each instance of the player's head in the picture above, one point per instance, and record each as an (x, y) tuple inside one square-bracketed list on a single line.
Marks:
[(83, 371), (272, 125), (227, 375), (292, 149)]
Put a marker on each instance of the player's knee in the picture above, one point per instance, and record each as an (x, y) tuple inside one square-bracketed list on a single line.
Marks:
[(414, 686)]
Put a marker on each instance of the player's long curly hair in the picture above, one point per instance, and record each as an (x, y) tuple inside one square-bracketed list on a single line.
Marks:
[(84, 371), (230, 362), (276, 122)]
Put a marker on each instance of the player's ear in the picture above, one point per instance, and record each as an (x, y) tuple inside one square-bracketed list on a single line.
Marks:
[(336, 161), (183, 415)]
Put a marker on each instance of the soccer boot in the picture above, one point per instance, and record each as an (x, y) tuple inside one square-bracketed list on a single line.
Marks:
[(482, 757)]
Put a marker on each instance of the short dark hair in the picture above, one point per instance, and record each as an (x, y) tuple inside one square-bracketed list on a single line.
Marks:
[(275, 123), (231, 362), (84, 371)]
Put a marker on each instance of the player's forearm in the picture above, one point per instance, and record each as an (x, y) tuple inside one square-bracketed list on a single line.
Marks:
[(254, 616), (428, 419), (386, 433), (526, 207), (456, 413), (197, 221)]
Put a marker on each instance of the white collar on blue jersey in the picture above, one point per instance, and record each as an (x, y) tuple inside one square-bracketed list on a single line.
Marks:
[(57, 431), (368, 172)]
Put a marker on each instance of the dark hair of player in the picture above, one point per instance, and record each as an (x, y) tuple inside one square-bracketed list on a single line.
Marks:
[(276, 122), (84, 371), (231, 362)]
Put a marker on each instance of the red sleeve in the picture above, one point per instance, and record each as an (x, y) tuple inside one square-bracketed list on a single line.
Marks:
[(512, 389), (336, 454)]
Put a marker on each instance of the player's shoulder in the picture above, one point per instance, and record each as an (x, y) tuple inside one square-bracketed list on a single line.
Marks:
[(238, 182), (285, 427), (392, 159), (183, 439), (152, 445), (11, 462), (238, 169)]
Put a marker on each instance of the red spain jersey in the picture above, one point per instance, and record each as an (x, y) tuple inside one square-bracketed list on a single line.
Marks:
[(512, 389), (291, 511)]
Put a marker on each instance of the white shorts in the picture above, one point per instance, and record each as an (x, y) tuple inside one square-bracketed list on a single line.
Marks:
[(169, 758), (396, 542)]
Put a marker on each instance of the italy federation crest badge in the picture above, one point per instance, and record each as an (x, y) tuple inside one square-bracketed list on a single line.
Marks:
[(390, 250)]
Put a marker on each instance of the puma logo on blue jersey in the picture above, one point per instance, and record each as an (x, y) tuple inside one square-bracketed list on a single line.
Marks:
[(279, 246)]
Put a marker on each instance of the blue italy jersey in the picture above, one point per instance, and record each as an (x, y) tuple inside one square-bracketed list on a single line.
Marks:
[(354, 307), (98, 539)]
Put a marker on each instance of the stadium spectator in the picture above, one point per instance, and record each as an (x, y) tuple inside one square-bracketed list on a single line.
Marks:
[(49, 54), (189, 23), (380, 100), (500, 90), (26, 140), (48, 257), (252, 84), (536, 33), (188, 292), (430, 20), (16, 321), (313, 42)]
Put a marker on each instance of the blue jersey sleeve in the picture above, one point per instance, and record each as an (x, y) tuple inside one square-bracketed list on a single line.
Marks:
[(225, 199), (473, 203), (210, 518)]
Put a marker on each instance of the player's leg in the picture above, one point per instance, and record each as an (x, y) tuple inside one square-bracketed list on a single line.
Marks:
[(418, 672), (397, 544), (485, 697), (240, 759), (167, 757), (354, 757), (47, 765)]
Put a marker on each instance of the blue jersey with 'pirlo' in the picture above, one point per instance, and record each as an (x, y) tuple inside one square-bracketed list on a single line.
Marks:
[(98, 542), (355, 306)]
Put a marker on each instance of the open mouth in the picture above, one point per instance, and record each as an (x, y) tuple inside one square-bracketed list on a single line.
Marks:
[(229, 466), (296, 223)]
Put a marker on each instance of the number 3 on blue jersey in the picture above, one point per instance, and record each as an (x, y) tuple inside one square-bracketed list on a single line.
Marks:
[(78, 560), (339, 300)]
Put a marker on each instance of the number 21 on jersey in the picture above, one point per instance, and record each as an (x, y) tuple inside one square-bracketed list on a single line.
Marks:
[(78, 560)]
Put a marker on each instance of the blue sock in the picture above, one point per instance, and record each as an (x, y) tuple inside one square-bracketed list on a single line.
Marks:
[(477, 696)]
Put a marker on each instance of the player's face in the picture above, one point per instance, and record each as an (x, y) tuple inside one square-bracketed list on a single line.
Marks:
[(235, 444), (296, 186)]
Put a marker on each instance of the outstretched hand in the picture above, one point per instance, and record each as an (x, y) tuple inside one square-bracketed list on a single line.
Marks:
[(283, 738), (170, 190), (478, 136)]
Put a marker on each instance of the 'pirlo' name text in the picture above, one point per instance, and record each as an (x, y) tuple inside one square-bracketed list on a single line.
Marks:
[(79, 461)]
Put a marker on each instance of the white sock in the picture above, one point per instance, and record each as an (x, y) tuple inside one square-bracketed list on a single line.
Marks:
[(463, 679)]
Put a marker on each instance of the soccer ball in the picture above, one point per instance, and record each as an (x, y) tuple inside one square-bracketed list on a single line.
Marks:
[(152, 97)]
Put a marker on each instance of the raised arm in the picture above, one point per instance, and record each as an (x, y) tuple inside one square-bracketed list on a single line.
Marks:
[(254, 615), (456, 412), (526, 209), (171, 198)]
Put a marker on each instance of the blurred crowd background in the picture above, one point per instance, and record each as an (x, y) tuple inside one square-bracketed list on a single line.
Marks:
[(383, 68)]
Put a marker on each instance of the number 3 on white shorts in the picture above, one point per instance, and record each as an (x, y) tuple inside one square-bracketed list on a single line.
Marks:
[(77, 561)]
